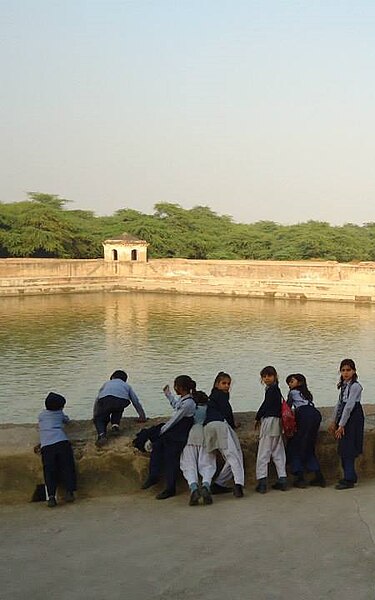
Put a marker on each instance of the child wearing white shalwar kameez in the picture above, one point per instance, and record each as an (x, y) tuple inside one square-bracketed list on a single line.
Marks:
[(195, 459)]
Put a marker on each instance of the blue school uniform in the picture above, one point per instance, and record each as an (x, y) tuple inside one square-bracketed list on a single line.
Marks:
[(348, 413), (300, 451), (167, 447)]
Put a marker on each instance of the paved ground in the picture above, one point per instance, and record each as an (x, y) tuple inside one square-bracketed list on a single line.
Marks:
[(302, 544)]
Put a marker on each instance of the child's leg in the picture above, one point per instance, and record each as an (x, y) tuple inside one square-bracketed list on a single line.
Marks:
[(66, 466), (264, 456), (206, 465), (189, 464), (156, 460), (348, 465), (50, 469), (234, 460), (278, 455), (116, 417), (224, 475), (118, 406), (172, 453), (101, 421)]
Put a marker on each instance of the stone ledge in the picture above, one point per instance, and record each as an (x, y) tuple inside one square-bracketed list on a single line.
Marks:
[(118, 468)]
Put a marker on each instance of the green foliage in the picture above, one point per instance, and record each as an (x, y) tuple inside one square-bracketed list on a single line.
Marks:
[(42, 226)]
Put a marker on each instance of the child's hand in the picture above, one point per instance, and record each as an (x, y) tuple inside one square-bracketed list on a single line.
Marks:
[(37, 449), (142, 419), (166, 390), (237, 425), (339, 433), (332, 428), (257, 425), (148, 446)]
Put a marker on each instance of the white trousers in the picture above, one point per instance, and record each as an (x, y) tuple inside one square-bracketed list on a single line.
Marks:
[(195, 461), (270, 447), (233, 466)]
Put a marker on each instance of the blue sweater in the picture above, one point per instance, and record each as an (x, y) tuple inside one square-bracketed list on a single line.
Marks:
[(51, 427), (271, 405)]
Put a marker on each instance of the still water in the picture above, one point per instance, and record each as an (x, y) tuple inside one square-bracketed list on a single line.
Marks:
[(71, 344)]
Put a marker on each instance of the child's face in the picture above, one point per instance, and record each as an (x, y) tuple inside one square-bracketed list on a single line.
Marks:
[(347, 372), (269, 379), (293, 383), (223, 385)]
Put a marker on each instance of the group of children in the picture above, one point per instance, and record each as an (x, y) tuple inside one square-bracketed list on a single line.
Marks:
[(202, 427)]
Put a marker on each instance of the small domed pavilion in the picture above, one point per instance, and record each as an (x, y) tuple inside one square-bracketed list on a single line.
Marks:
[(125, 248)]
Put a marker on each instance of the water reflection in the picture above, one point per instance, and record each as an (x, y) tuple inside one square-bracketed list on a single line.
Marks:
[(72, 343)]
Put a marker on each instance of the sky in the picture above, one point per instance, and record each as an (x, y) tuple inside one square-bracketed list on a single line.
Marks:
[(262, 110)]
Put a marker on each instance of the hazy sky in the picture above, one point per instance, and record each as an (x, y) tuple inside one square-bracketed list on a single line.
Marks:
[(258, 109)]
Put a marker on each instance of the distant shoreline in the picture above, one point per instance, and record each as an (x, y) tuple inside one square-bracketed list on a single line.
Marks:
[(288, 280)]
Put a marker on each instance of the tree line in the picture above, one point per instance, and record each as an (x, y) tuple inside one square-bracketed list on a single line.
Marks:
[(43, 226)]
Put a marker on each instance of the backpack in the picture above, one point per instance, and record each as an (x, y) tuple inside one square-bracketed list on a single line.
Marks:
[(288, 420)]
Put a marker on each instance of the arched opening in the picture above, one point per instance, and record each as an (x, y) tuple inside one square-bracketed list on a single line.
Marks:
[(134, 255), (114, 255)]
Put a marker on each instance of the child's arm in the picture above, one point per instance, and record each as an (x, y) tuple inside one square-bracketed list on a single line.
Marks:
[(173, 401), (65, 418), (354, 396), (137, 405), (184, 410)]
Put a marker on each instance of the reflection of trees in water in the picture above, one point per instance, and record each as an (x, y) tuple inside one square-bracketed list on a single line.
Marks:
[(32, 323), (74, 342), (138, 318)]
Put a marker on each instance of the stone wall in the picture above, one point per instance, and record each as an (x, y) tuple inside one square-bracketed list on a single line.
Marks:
[(305, 280), (118, 468)]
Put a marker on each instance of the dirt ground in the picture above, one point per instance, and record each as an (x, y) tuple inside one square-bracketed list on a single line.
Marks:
[(305, 544)]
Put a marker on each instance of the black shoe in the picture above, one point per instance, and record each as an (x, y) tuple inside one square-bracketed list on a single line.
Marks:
[(344, 485), (165, 494), (69, 497), (206, 495), (51, 502), (261, 488), (101, 441), (318, 481), (220, 489), (115, 430), (238, 491), (299, 483), (149, 483), (280, 485), (194, 498)]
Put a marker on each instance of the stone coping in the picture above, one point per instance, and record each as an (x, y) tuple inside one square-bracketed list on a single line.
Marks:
[(118, 468)]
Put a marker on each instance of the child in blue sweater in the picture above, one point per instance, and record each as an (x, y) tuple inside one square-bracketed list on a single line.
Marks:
[(56, 450), (112, 399)]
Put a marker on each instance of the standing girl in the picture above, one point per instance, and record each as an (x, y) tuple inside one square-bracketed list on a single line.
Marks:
[(271, 444), (300, 451), (219, 435), (348, 422), (167, 448)]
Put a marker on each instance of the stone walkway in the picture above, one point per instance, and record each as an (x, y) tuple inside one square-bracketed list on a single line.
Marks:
[(308, 544)]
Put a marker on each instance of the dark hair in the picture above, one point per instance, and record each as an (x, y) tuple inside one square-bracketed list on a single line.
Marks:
[(186, 383), (54, 401), (200, 397), (302, 387), (269, 371), (220, 376), (119, 375), (347, 362)]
